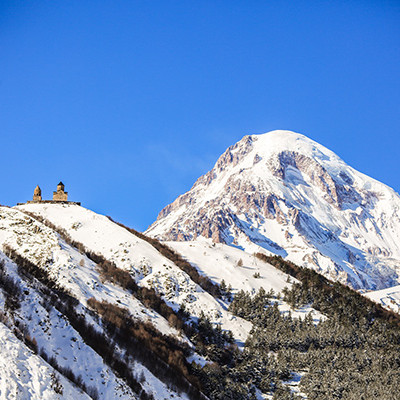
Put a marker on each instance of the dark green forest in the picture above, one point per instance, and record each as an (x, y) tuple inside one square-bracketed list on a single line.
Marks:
[(353, 354)]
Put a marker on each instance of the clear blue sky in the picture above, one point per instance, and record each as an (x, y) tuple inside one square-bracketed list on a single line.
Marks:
[(129, 102)]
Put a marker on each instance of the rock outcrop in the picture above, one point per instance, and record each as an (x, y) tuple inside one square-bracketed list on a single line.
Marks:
[(286, 194)]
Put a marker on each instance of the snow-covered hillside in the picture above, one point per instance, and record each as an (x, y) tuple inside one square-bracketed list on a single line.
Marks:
[(24, 375), (285, 194), (142, 260), (50, 317), (56, 338), (54, 335), (73, 271), (240, 270)]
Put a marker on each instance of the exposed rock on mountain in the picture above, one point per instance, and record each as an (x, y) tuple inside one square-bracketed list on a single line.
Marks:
[(288, 195)]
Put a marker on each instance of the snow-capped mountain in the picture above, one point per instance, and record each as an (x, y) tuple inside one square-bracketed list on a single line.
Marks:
[(288, 195), (92, 309)]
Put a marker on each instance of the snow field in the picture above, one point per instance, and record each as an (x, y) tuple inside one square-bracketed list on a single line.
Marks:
[(220, 262)]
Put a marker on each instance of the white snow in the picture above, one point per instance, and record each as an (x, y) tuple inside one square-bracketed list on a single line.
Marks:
[(355, 239), (220, 262), (142, 260), (25, 376), (388, 298), (78, 274)]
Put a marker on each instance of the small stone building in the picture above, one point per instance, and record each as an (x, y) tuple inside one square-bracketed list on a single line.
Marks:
[(37, 194), (60, 195)]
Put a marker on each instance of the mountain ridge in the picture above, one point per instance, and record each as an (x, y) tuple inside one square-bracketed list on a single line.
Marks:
[(291, 196)]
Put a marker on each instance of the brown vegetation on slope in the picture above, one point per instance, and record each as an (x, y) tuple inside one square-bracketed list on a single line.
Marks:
[(203, 281)]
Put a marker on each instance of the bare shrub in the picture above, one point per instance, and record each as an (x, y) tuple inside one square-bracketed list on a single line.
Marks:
[(56, 384), (162, 354)]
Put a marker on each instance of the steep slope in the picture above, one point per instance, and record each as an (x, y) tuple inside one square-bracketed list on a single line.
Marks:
[(24, 375), (57, 343), (141, 260), (29, 309), (288, 195)]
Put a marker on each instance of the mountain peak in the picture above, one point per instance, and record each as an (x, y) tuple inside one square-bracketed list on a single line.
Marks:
[(288, 195), (278, 141), (282, 137)]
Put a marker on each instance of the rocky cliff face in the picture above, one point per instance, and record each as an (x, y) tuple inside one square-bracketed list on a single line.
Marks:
[(286, 194)]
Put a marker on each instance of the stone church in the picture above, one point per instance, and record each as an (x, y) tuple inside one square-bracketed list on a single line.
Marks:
[(59, 196), (37, 194)]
